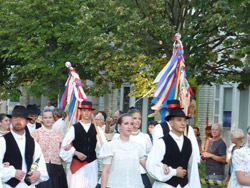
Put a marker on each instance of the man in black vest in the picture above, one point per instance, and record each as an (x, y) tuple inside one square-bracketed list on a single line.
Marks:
[(33, 113), (163, 129), (174, 151), (83, 171), (21, 151)]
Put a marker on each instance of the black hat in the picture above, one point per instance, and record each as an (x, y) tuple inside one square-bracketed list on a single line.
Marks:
[(20, 111), (32, 109), (86, 105), (173, 104), (176, 112)]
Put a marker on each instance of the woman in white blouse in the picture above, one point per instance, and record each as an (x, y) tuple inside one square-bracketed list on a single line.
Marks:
[(240, 177), (121, 158), (143, 139)]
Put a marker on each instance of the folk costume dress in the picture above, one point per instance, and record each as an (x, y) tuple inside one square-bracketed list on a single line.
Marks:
[(124, 158), (20, 151), (164, 150), (50, 142), (145, 141), (82, 174)]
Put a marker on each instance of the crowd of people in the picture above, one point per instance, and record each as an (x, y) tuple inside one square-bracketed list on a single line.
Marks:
[(113, 152)]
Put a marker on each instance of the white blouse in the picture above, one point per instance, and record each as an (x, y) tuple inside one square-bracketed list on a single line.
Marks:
[(142, 139), (124, 158), (241, 162)]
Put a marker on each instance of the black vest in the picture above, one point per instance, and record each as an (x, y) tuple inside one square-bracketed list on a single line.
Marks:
[(14, 157), (85, 142), (165, 128), (38, 125), (175, 158)]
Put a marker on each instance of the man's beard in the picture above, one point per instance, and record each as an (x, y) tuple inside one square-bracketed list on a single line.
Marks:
[(18, 127)]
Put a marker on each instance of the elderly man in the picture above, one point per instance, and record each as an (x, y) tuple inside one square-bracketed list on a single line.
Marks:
[(21, 151), (215, 156), (100, 121), (111, 126)]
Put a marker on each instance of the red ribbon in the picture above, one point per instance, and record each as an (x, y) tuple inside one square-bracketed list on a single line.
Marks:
[(87, 106), (173, 105)]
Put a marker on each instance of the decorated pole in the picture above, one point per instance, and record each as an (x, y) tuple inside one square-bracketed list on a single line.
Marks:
[(171, 82), (72, 98)]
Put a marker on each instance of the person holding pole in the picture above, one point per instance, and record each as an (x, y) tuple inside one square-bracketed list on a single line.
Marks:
[(83, 136)]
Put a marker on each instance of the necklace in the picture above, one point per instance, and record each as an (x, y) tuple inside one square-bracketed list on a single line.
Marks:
[(135, 133)]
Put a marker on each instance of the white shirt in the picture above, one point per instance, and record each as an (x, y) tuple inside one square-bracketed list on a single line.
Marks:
[(124, 158), (158, 133), (155, 166), (10, 172), (142, 139), (70, 136), (31, 127), (60, 125)]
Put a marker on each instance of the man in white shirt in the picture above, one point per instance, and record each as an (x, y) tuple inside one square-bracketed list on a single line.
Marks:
[(59, 124), (163, 129), (21, 151), (175, 151), (33, 113), (83, 171)]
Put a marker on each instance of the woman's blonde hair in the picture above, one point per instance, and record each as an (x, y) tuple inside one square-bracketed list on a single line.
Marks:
[(237, 134)]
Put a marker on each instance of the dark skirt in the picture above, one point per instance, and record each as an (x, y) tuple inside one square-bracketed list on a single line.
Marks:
[(57, 177), (146, 181)]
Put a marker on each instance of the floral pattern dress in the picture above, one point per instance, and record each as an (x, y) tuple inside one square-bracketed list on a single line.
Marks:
[(241, 162)]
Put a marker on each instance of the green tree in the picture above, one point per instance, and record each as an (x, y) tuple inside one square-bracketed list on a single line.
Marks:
[(242, 10), (37, 38), (125, 40), (113, 41)]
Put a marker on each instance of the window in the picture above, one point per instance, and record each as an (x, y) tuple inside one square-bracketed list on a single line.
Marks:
[(227, 107), (243, 109)]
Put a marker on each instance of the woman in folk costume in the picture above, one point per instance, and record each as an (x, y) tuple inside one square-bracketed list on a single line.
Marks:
[(4, 124), (83, 171), (143, 139), (175, 151), (50, 141), (122, 158), (140, 138)]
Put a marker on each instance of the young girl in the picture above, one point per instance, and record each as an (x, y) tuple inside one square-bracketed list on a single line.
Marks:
[(50, 141), (140, 138), (122, 157), (4, 124)]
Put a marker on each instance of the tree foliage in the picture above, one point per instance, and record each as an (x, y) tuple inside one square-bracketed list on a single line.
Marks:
[(113, 41), (130, 40), (37, 37)]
